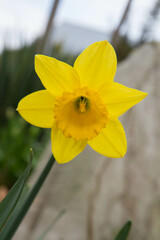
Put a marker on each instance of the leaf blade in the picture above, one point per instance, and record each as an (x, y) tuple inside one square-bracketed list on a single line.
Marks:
[(10, 201), (123, 233), (16, 218)]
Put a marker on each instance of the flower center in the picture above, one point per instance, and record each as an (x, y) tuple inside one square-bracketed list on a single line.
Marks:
[(82, 104), (81, 114)]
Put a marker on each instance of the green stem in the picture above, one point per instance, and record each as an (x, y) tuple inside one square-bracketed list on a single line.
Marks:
[(28, 201)]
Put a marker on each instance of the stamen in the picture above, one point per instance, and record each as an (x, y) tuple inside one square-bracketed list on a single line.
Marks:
[(82, 104)]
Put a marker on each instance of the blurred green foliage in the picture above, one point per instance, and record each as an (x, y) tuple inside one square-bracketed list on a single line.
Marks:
[(17, 79), (17, 137)]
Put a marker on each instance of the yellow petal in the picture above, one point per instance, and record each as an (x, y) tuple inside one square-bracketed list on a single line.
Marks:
[(119, 98), (96, 65), (111, 142), (37, 109), (55, 75), (65, 149)]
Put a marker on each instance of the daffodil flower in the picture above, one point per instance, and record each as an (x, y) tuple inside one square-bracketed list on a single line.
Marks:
[(81, 104)]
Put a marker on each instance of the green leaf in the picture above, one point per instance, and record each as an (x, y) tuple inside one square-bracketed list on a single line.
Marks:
[(22, 208), (55, 220), (10, 201), (123, 233)]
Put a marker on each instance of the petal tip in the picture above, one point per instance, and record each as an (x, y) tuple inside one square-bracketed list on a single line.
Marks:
[(123, 154), (62, 162), (18, 108), (39, 57), (143, 95), (60, 159)]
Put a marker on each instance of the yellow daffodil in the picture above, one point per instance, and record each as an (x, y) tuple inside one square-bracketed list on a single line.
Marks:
[(81, 104)]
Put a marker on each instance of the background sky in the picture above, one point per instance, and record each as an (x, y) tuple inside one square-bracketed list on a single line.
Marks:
[(22, 21)]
